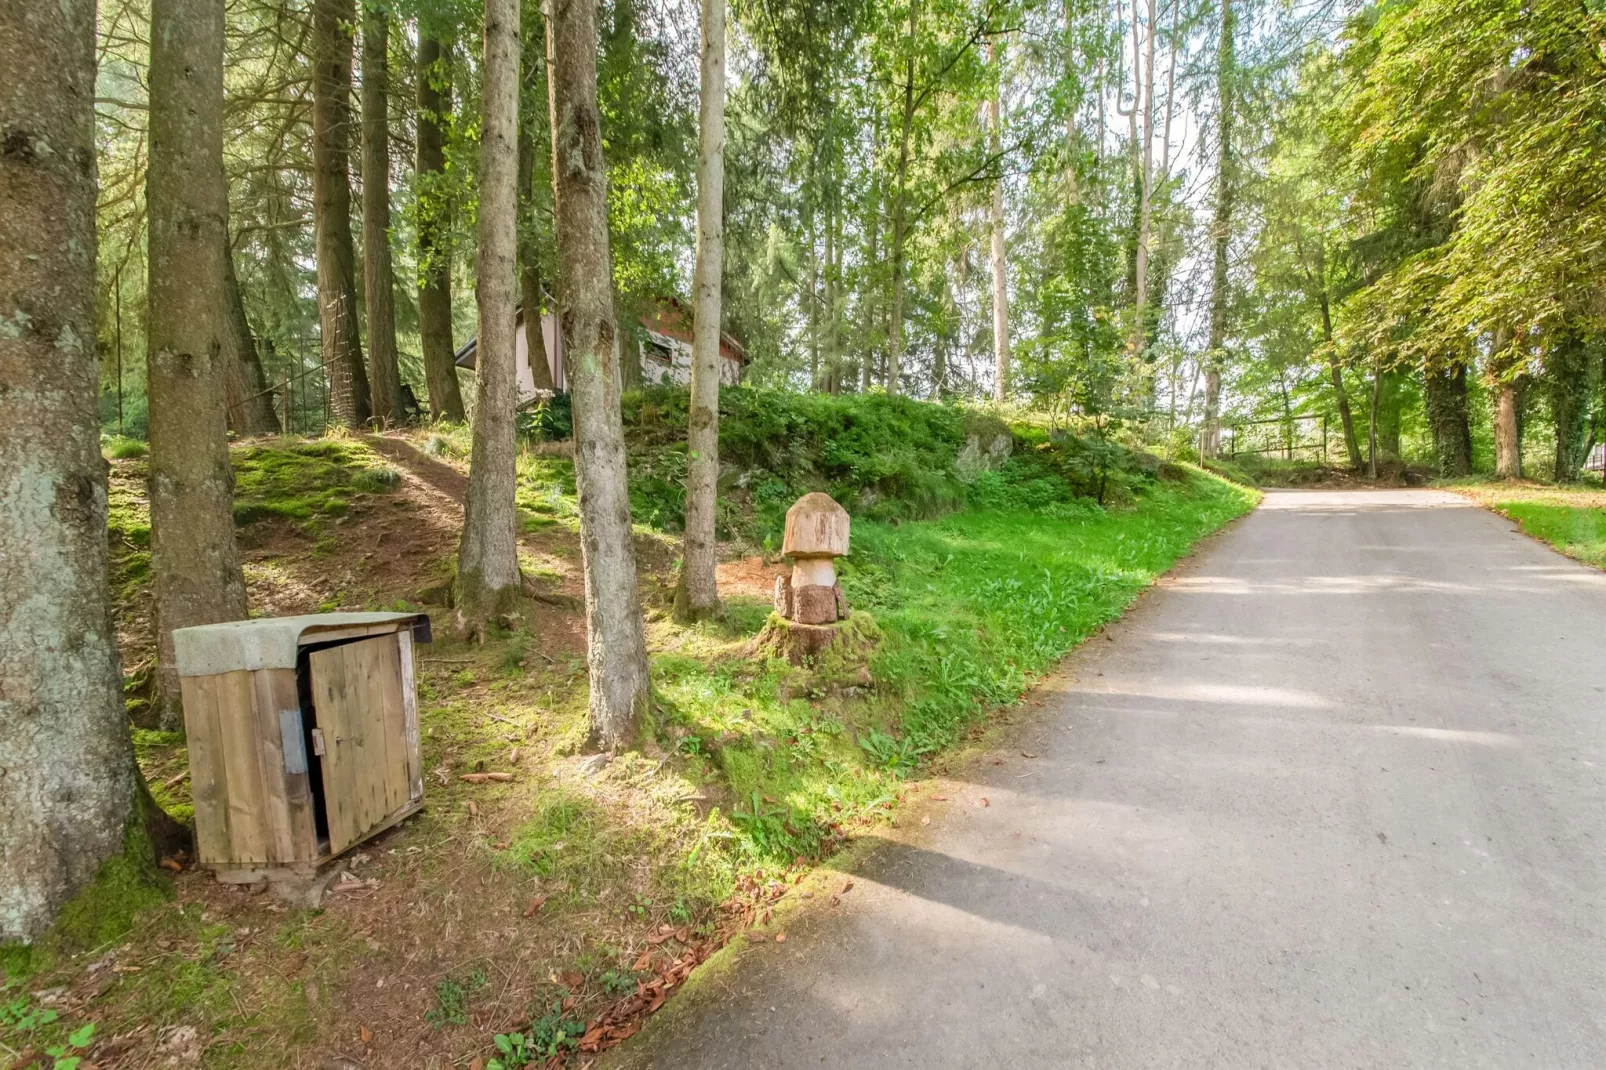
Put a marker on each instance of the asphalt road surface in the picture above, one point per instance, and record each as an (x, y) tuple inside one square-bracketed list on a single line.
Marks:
[(1333, 798)]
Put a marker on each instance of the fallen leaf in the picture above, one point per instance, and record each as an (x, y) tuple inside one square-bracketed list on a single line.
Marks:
[(984, 803), (847, 886), (473, 808), (482, 778), (168, 863), (366, 1034), (476, 1063), (572, 979), (1027, 754), (757, 938), (780, 938), (500, 845), (513, 757), (535, 904), (657, 938), (939, 798), (644, 961), (836, 902)]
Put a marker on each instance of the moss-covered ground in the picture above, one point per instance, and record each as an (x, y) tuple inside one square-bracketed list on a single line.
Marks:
[(535, 906)]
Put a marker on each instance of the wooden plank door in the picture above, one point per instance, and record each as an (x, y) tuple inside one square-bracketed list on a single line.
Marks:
[(357, 693)]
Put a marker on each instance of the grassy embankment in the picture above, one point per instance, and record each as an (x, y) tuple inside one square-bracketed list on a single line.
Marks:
[(1570, 518), (537, 906)]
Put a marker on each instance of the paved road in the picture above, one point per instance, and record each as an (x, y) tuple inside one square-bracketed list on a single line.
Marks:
[(1334, 798)]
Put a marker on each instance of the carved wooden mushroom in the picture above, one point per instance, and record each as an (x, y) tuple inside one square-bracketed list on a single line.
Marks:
[(816, 535)]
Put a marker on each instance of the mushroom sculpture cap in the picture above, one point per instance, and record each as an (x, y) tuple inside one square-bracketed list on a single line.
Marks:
[(816, 526)]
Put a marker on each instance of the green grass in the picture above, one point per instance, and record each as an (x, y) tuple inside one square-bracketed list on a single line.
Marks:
[(1570, 518), (973, 608), (1575, 531)]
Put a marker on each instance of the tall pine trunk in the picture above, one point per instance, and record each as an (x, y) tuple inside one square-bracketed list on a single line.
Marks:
[(1444, 388), (894, 370), (332, 23), (1352, 446), (1221, 233), (533, 73), (195, 569), (434, 238), (868, 303), (698, 594), (995, 147), (616, 644), (488, 559), (69, 778), (379, 279), (249, 399)]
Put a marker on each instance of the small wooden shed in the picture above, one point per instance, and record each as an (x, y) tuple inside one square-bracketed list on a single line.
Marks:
[(303, 736)]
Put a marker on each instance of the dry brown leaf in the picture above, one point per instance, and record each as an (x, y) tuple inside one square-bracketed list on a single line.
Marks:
[(984, 802), (1027, 754), (572, 979), (535, 905), (487, 778), (780, 938), (643, 962), (836, 902), (500, 845), (473, 808), (176, 867), (366, 1034), (847, 886), (476, 1063), (939, 798)]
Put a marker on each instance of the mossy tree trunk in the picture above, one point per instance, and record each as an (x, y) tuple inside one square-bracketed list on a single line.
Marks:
[(66, 766), (332, 44), (616, 643), (195, 569), (434, 233), (698, 593), (488, 564), (379, 278)]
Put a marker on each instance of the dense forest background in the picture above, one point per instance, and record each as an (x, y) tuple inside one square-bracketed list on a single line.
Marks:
[(1387, 216)]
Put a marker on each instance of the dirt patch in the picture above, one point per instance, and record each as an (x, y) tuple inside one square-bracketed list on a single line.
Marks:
[(752, 576)]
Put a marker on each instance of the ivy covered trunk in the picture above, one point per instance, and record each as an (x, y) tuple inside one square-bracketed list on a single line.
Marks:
[(332, 25), (698, 594), (488, 562), (66, 766), (434, 234), (616, 643), (1444, 388), (1572, 378), (195, 569)]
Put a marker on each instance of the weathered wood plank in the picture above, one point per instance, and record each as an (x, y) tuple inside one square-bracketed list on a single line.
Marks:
[(249, 836), (208, 774)]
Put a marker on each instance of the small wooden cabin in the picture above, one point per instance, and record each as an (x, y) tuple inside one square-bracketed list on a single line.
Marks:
[(303, 736)]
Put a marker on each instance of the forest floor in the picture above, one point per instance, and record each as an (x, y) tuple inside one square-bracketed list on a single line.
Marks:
[(1570, 518), (556, 910)]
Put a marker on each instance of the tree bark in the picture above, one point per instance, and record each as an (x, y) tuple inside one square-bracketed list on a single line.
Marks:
[(1572, 375), (195, 569), (698, 593), (1140, 326), (995, 148), (1445, 392), (332, 22), (833, 274), (250, 402), (616, 644), (488, 558), (434, 241), (379, 279), (534, 71), (1221, 233), (1508, 431), (894, 371), (68, 768), (872, 264)]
